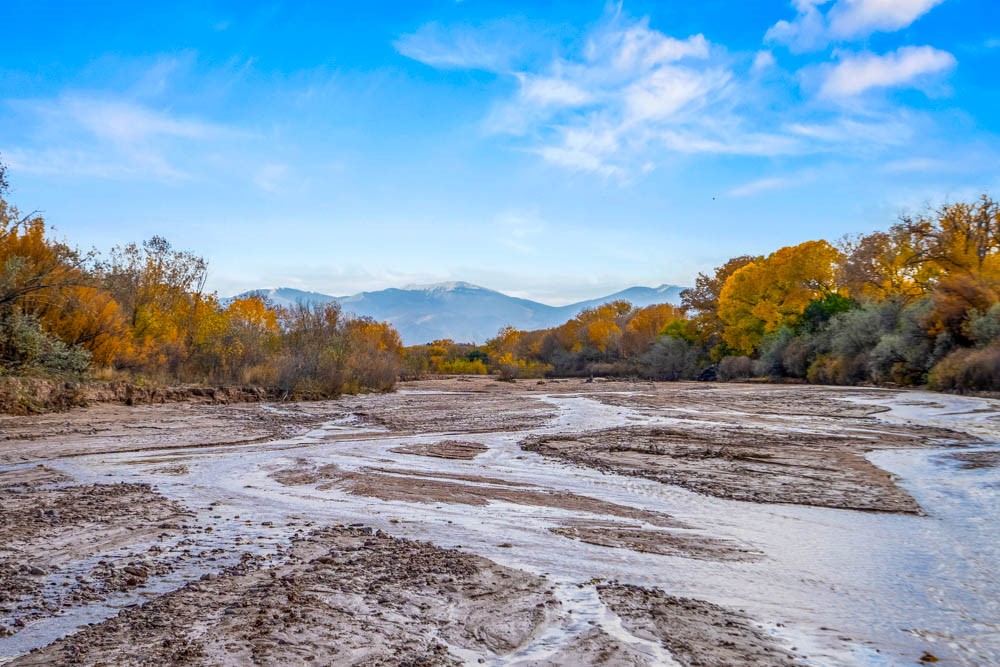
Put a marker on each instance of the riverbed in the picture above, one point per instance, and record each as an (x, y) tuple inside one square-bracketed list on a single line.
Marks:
[(814, 579)]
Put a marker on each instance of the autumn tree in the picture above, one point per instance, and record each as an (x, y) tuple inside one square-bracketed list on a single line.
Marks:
[(763, 296), (46, 284), (159, 290), (955, 250), (86, 316), (32, 265), (884, 265), (646, 325), (374, 355), (252, 331), (514, 353), (702, 301), (958, 238), (602, 327)]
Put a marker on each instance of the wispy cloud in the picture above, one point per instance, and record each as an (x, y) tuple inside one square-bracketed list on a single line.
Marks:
[(124, 122), (72, 162), (916, 165), (493, 47), (598, 106), (760, 185), (872, 131), (856, 73), (806, 32), (108, 137), (626, 97), (844, 20)]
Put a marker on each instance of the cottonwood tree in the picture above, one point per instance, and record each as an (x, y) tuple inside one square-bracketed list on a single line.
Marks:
[(763, 296)]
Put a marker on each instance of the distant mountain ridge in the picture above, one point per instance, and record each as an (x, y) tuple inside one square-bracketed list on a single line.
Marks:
[(460, 311)]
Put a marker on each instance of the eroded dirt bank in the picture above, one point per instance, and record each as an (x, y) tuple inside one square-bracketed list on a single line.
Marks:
[(29, 396), (531, 523)]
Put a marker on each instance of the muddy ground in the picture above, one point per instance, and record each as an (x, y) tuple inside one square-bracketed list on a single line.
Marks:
[(348, 596), (49, 522), (111, 427), (745, 442), (416, 487), (328, 593)]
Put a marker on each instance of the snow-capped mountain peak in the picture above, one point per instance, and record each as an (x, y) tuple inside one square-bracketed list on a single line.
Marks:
[(443, 287)]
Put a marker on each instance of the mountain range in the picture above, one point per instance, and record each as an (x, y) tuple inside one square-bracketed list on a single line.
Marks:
[(460, 311)]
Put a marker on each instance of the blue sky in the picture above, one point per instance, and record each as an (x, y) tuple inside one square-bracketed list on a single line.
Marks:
[(553, 150)]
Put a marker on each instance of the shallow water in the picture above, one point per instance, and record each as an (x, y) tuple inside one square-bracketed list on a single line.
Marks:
[(842, 587)]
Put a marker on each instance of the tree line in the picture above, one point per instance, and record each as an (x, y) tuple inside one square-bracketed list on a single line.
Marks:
[(917, 304), (141, 311)]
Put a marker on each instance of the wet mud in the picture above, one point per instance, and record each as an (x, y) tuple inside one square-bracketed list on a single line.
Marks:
[(470, 521), (444, 449), (352, 595)]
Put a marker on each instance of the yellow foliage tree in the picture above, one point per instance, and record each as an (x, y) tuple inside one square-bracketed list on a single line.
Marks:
[(765, 295), (701, 302), (373, 356)]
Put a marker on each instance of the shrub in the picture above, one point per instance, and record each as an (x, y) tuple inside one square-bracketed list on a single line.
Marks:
[(463, 367), (827, 369), (984, 328), (968, 370), (735, 368), (510, 368), (670, 358), (24, 345), (772, 353)]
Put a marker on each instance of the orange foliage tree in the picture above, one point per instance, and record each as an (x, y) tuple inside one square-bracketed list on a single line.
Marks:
[(646, 325), (48, 280)]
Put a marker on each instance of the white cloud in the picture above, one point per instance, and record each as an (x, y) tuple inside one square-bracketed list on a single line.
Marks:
[(856, 74), (626, 97), (106, 137), (492, 48), (812, 30), (125, 122), (865, 134), (763, 60), (552, 91), (636, 47), (766, 144), (58, 161), (668, 90), (585, 149), (917, 165), (787, 181), (595, 109), (807, 32), (860, 18)]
